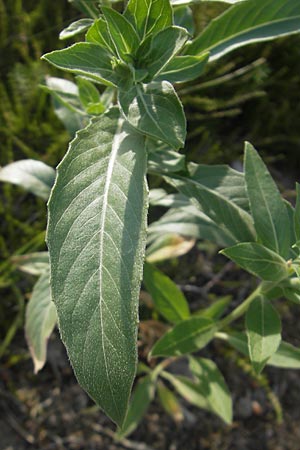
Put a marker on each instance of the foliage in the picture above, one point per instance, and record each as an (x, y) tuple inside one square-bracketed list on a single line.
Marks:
[(98, 206)]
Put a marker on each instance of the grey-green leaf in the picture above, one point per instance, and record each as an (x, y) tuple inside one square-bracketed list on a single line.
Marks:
[(99, 34), (213, 386), (246, 23), (167, 297), (87, 59), (268, 209), (122, 34), (32, 263), (32, 175), (183, 68), (79, 26), (40, 320), (142, 396), (96, 238), (149, 16), (258, 260), (159, 49), (186, 337), (155, 110), (263, 327)]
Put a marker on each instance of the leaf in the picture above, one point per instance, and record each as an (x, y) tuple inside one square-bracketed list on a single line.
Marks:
[(163, 160), (246, 23), (297, 214), (34, 176), (287, 356), (183, 68), (77, 27), (214, 387), (183, 17), (168, 246), (186, 337), (40, 320), (96, 239), (216, 199), (142, 397), (167, 297), (89, 96), (263, 331), (216, 310), (268, 209), (189, 390), (170, 403), (87, 59), (159, 49), (99, 34), (154, 109), (258, 260), (149, 16), (122, 34), (32, 263), (189, 221)]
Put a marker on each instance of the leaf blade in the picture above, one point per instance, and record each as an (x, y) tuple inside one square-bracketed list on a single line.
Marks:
[(99, 181)]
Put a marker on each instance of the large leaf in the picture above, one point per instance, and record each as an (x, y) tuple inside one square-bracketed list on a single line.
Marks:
[(268, 209), (96, 237), (40, 320), (87, 59), (247, 22), (213, 386), (186, 337), (149, 16), (167, 297), (263, 331), (158, 50), (287, 355), (258, 260), (155, 110), (34, 176), (218, 198)]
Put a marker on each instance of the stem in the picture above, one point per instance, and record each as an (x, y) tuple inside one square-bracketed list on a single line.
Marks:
[(239, 310)]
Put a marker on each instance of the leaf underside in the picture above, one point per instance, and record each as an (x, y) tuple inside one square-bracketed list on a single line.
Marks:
[(96, 237)]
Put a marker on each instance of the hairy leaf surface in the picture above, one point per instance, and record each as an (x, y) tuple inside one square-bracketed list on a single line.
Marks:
[(246, 23), (96, 237)]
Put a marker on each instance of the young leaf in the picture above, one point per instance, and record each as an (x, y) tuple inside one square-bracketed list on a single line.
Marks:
[(79, 26), (32, 263), (34, 176), (87, 59), (214, 387), (40, 320), (96, 238), (183, 17), (155, 110), (216, 310), (167, 297), (263, 331), (250, 21), (142, 396), (186, 337), (287, 355), (268, 209), (89, 96), (183, 68), (258, 260), (149, 16), (122, 33), (159, 49), (99, 34)]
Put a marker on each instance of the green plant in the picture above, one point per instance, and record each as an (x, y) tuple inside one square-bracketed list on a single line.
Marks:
[(98, 208)]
